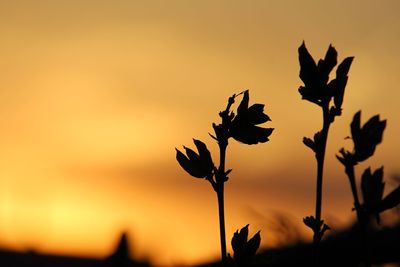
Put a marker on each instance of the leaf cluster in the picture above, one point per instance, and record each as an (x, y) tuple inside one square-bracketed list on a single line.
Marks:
[(365, 140), (317, 87), (372, 188), (242, 126)]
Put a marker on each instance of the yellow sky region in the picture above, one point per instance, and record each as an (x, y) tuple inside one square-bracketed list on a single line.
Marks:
[(94, 97)]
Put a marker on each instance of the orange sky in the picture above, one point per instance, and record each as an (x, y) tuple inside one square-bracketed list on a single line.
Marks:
[(95, 96)]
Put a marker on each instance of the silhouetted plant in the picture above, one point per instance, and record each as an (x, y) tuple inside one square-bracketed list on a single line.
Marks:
[(365, 139), (244, 249), (320, 91), (243, 127)]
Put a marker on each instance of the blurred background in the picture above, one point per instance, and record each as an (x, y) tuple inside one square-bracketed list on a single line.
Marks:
[(96, 95)]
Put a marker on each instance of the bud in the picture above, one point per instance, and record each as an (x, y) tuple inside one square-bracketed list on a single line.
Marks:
[(199, 165), (318, 227), (244, 249)]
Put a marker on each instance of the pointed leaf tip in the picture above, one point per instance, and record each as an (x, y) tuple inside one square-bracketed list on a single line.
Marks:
[(391, 200), (253, 244), (244, 103), (309, 143), (344, 67)]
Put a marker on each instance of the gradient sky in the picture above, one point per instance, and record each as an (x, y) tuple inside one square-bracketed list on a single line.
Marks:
[(96, 95)]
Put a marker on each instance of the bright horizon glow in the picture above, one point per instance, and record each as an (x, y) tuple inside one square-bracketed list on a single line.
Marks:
[(94, 98)]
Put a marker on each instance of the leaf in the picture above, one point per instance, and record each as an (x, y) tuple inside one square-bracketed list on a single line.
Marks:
[(374, 129), (391, 200), (372, 187), (317, 138), (253, 244), (326, 65), (256, 114), (239, 239), (367, 137), (309, 143), (228, 172), (308, 68), (339, 84), (188, 165), (191, 154), (355, 127), (204, 155), (318, 227), (244, 103), (322, 231), (311, 222), (344, 67), (339, 87), (243, 127), (345, 157), (341, 81), (198, 165), (244, 249), (250, 134)]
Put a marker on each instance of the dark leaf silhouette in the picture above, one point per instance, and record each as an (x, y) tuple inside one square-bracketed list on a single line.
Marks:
[(309, 143), (316, 77), (244, 249), (253, 244), (326, 65), (391, 200), (244, 127), (344, 67), (366, 138), (314, 144), (338, 85), (372, 187), (311, 222), (345, 157), (199, 165), (309, 75), (318, 227), (317, 88), (239, 238)]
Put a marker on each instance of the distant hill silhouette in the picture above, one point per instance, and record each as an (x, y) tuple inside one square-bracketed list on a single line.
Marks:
[(119, 258)]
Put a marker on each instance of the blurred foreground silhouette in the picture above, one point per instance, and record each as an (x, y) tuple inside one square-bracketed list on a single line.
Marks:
[(340, 249), (119, 258)]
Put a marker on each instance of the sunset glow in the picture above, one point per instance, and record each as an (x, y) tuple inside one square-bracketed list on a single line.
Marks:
[(95, 97)]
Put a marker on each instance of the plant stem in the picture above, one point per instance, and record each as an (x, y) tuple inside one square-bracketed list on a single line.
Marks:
[(320, 155), (352, 180), (221, 213), (362, 220), (220, 179), (320, 166)]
